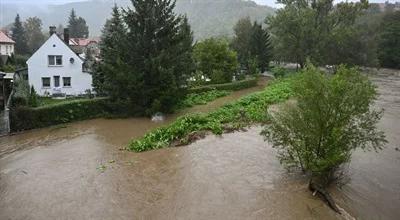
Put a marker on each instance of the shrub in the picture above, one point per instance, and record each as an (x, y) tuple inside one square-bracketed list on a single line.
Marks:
[(332, 117), (233, 86), (279, 72), (201, 98)]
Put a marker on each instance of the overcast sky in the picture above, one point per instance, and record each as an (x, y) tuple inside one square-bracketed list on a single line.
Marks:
[(262, 2)]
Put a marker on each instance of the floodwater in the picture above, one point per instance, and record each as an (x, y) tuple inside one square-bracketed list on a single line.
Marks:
[(78, 171)]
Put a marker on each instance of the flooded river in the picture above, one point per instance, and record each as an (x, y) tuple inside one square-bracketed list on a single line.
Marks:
[(78, 171)]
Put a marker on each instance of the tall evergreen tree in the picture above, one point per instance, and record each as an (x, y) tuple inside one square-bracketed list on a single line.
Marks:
[(77, 26), (157, 44), (260, 46), (109, 73), (389, 42), (19, 36)]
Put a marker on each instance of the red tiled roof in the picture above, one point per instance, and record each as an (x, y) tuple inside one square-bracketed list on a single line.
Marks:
[(81, 41), (5, 39)]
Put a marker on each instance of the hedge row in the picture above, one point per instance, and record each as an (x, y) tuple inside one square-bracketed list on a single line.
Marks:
[(233, 86), (25, 118)]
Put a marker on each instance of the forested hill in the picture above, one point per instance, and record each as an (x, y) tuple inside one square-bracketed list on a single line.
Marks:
[(207, 17)]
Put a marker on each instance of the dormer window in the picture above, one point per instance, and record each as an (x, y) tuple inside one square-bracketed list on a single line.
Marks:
[(55, 60)]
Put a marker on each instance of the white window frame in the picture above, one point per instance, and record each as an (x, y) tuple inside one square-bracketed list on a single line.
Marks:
[(54, 58)]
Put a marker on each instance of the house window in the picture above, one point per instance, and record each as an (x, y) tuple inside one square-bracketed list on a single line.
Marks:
[(67, 81), (56, 81), (46, 82), (55, 60)]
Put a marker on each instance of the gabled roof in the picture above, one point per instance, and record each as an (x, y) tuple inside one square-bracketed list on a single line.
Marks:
[(55, 36), (5, 39)]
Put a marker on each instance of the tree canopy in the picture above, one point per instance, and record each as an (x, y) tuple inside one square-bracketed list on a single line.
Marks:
[(389, 41), (146, 53), (215, 60), (317, 29), (33, 33), (77, 26), (19, 36), (330, 118)]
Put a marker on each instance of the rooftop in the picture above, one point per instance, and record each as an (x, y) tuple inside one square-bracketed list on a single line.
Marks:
[(5, 39)]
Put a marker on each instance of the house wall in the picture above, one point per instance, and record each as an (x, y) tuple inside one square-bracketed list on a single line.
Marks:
[(38, 67), (6, 49)]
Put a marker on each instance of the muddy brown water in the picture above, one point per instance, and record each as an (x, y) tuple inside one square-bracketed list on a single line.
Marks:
[(78, 171)]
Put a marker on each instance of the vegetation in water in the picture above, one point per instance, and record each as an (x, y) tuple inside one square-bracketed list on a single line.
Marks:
[(329, 119), (250, 109), (202, 98)]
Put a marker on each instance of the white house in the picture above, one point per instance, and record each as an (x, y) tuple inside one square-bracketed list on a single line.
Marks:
[(6, 45), (56, 69)]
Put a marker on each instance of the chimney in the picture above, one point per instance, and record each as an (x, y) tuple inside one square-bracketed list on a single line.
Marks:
[(52, 30), (66, 36)]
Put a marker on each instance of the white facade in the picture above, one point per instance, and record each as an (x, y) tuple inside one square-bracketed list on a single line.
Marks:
[(55, 68), (6, 49)]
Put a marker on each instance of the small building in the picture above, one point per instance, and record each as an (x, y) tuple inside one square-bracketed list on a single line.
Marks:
[(6, 45), (55, 69)]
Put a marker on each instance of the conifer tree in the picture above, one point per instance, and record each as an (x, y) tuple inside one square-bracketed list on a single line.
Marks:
[(260, 46), (77, 26), (18, 35), (158, 44), (108, 75)]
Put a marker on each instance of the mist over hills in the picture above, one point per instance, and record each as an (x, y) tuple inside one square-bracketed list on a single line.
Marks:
[(207, 17)]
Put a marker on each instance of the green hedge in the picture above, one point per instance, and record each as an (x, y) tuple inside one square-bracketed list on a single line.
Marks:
[(233, 86), (25, 118)]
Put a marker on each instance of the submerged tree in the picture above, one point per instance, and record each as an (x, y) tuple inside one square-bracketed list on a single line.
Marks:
[(330, 118)]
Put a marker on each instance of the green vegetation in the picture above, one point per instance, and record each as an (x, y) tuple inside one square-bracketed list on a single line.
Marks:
[(250, 109), (77, 26), (252, 44), (215, 60), (202, 98), (389, 43), (233, 86), (148, 70), (331, 117), (25, 118), (318, 30)]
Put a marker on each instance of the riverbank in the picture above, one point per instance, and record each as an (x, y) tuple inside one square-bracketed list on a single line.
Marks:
[(62, 111), (231, 117)]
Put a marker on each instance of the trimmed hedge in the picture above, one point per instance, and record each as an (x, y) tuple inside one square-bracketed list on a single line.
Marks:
[(25, 118), (233, 86)]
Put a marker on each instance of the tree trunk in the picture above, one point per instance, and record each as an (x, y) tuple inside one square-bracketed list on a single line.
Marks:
[(316, 188)]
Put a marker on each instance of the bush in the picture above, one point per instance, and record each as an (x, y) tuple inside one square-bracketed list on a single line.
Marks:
[(201, 98), (233, 86), (215, 60), (278, 72), (332, 117), (25, 118)]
